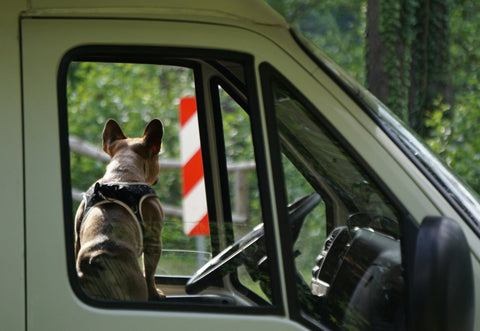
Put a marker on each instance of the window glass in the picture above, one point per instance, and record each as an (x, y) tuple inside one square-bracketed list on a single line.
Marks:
[(313, 231), (242, 265), (345, 230), (133, 94), (243, 184), (240, 164)]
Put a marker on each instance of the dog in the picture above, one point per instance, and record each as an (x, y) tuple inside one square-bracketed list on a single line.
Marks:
[(114, 226)]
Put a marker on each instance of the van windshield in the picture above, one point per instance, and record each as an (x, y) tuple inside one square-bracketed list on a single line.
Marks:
[(449, 183), (453, 188)]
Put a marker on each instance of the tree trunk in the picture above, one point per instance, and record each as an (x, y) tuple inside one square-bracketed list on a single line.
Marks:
[(388, 56), (430, 70), (408, 56), (376, 76)]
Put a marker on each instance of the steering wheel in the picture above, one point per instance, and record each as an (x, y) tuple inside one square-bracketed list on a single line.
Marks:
[(249, 249), (378, 222)]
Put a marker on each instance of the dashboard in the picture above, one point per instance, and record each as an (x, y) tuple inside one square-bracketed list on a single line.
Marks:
[(358, 279)]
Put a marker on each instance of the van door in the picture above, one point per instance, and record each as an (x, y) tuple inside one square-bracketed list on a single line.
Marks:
[(70, 68), (304, 203)]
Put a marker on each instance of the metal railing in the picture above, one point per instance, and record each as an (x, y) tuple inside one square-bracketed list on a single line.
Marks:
[(239, 172)]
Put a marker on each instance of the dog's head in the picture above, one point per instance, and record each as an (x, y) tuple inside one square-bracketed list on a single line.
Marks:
[(141, 154)]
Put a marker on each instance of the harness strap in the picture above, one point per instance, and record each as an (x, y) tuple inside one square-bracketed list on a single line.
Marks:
[(128, 195)]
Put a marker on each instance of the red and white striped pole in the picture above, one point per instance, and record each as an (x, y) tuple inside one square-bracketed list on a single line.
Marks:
[(194, 206)]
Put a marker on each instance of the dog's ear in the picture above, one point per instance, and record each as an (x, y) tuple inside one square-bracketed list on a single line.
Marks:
[(111, 132), (153, 135)]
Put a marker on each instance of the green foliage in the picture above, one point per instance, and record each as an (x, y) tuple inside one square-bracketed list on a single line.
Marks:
[(430, 70), (396, 24), (337, 27), (410, 51), (444, 39), (465, 47), (132, 94), (453, 136), (454, 129)]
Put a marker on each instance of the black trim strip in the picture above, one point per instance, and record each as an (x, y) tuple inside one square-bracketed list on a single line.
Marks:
[(222, 166), (163, 56), (25, 239), (227, 208), (231, 77), (263, 185), (242, 100), (246, 105), (266, 73)]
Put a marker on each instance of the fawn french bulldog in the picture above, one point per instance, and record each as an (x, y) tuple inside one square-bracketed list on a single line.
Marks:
[(120, 218)]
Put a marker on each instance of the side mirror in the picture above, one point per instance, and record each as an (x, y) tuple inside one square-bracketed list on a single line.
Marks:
[(441, 291)]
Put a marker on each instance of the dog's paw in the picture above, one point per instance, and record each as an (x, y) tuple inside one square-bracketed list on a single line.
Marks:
[(156, 295)]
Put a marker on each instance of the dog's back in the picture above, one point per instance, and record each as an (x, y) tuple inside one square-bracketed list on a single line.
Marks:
[(109, 234), (107, 262), (104, 278)]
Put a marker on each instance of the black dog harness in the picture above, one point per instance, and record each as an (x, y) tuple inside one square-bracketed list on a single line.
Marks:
[(128, 195)]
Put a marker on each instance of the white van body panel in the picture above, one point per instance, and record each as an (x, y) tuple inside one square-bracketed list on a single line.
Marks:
[(36, 35)]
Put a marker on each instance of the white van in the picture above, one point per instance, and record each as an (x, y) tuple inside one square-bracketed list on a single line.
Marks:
[(323, 211)]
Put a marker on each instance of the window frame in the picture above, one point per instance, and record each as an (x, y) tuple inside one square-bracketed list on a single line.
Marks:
[(407, 226), (188, 58)]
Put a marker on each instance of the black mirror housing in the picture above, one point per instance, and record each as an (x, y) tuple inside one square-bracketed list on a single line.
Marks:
[(441, 293)]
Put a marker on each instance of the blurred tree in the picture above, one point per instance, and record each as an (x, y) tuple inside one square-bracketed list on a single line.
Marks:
[(389, 39), (454, 132), (334, 26), (430, 73), (132, 94), (421, 58), (408, 61)]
